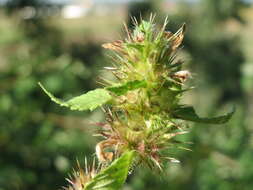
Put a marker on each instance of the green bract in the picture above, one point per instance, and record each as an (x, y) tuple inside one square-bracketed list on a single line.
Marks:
[(143, 113), (114, 176)]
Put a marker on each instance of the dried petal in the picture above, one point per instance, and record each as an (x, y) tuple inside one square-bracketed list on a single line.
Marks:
[(168, 34), (100, 150), (182, 75), (178, 38), (116, 46)]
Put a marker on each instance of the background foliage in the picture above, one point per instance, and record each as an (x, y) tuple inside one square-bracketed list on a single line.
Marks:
[(40, 142)]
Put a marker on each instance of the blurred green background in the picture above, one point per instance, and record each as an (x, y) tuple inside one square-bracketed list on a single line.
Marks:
[(59, 44)]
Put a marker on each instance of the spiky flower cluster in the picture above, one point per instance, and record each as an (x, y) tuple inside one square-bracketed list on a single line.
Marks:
[(141, 119), (81, 177), (143, 113)]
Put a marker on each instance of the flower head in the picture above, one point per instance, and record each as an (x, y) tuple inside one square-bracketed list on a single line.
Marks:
[(141, 119), (81, 177)]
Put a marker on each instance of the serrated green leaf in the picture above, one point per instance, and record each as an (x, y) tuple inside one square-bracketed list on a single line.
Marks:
[(114, 176), (88, 101), (121, 89), (188, 113)]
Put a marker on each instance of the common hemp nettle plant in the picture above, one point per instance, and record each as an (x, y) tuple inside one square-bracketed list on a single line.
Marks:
[(142, 107)]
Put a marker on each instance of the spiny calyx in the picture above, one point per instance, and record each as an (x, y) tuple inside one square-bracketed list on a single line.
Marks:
[(144, 113)]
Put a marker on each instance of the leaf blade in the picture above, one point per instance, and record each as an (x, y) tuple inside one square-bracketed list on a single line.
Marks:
[(114, 176), (188, 113), (87, 101), (121, 89)]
